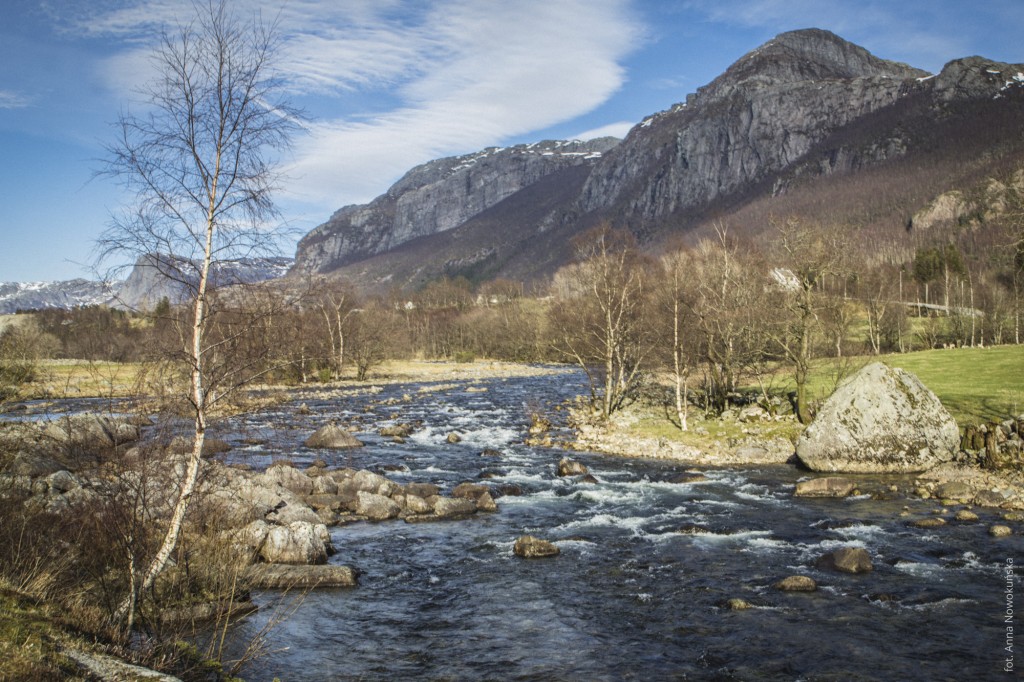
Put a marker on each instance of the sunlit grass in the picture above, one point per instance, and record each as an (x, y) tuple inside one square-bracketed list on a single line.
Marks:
[(81, 379), (974, 384)]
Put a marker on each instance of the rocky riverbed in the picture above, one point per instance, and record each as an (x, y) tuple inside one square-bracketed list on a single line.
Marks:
[(638, 567)]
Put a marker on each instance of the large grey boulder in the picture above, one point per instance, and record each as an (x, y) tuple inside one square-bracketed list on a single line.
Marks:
[(376, 507), (334, 437), (882, 419), (290, 478), (297, 543)]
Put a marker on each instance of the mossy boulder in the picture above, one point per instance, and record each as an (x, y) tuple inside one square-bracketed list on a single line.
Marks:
[(881, 420)]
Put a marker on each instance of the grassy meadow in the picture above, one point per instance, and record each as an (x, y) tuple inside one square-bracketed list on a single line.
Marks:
[(975, 384)]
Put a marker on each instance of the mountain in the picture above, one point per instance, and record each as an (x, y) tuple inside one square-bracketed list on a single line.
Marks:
[(808, 123), (155, 277), (438, 196), (151, 279), (72, 293)]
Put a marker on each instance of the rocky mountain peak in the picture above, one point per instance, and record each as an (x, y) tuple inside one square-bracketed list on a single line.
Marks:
[(805, 55), (438, 196), (976, 77)]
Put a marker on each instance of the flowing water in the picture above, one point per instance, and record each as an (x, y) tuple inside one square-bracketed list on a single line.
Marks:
[(630, 596)]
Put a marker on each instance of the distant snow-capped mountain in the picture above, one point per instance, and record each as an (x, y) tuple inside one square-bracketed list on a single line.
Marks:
[(151, 279), (70, 293)]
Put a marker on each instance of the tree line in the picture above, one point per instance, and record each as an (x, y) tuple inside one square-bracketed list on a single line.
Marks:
[(713, 316)]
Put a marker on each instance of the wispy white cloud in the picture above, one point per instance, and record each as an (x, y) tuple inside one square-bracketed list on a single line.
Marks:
[(458, 74), (482, 73), (10, 99)]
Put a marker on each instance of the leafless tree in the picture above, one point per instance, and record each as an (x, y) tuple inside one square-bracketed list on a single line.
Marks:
[(599, 316), (675, 296), (726, 308), (807, 253), (376, 333), (337, 302), (199, 158)]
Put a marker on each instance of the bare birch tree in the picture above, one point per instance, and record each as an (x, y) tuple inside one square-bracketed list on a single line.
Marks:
[(599, 317), (199, 157), (675, 297)]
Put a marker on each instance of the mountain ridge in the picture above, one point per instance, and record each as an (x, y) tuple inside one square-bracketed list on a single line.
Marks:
[(806, 104)]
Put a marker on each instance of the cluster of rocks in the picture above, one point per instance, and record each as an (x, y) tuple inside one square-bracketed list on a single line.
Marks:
[(43, 460), (276, 521), (281, 515), (994, 446), (852, 560)]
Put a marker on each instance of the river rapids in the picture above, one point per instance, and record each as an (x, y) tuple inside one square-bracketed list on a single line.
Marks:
[(639, 590)]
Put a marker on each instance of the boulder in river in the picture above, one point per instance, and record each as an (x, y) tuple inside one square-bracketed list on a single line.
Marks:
[(825, 486), (376, 507), (570, 467), (529, 547), (796, 583), (1000, 531), (882, 419), (334, 437), (847, 560), (297, 543)]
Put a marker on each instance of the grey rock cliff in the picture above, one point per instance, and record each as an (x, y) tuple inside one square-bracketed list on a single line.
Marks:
[(759, 117), (436, 197), (805, 105)]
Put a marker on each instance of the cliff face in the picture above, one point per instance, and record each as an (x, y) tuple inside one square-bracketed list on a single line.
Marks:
[(437, 197), (759, 117), (805, 105)]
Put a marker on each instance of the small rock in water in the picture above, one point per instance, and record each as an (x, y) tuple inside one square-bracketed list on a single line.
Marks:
[(737, 604), (485, 503), (1000, 531), (589, 478), (796, 583), (688, 477), (490, 452), (827, 486), (570, 467), (847, 560), (934, 522), (454, 438), (530, 547), (469, 491), (966, 515), (333, 436)]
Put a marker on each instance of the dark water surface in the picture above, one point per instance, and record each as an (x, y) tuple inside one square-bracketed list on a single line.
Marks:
[(630, 597)]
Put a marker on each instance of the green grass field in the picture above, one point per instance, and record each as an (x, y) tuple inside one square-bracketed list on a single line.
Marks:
[(975, 384)]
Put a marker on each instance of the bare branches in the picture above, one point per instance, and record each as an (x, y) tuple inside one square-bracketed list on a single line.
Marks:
[(199, 161)]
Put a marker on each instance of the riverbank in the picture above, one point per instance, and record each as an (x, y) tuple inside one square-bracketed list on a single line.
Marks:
[(752, 437), (74, 379)]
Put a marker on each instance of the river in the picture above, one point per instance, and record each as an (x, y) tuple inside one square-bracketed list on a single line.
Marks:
[(630, 597)]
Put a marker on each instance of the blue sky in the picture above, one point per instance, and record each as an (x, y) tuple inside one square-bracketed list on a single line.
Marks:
[(389, 84)]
